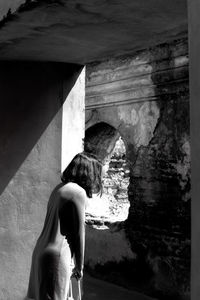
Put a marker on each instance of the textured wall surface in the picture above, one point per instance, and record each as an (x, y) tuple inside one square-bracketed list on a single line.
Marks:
[(146, 99), (81, 31), (31, 120), (194, 46)]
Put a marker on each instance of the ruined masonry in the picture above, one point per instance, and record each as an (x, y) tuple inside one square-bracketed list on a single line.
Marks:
[(144, 98)]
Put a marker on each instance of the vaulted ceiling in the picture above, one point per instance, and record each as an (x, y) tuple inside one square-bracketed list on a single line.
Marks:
[(81, 31)]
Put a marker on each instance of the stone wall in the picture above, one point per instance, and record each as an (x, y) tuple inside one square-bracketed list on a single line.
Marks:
[(194, 71), (145, 97), (32, 95)]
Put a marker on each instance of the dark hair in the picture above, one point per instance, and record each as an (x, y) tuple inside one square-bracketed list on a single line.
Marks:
[(85, 170)]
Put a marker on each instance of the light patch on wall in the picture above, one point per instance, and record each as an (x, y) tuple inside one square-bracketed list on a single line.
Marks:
[(9, 4), (73, 121), (127, 115), (148, 118), (181, 61), (183, 166)]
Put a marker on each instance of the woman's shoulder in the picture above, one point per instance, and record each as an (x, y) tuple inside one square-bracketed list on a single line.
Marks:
[(71, 190)]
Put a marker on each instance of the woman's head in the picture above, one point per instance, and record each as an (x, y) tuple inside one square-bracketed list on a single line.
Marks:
[(85, 170)]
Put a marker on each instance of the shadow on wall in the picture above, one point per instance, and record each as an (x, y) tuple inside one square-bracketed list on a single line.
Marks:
[(110, 257), (31, 95), (100, 139), (159, 225)]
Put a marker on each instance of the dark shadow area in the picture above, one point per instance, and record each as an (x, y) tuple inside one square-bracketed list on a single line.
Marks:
[(159, 223), (95, 289), (100, 139), (31, 95), (125, 272)]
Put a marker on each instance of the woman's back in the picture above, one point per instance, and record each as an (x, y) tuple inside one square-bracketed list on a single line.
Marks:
[(51, 260), (63, 234)]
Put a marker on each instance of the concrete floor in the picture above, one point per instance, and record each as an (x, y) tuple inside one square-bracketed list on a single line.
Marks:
[(95, 289)]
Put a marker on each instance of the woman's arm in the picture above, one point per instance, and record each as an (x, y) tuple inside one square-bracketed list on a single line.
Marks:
[(72, 221), (79, 199)]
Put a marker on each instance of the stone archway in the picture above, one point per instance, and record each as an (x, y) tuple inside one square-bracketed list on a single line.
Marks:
[(100, 139), (105, 142), (107, 248)]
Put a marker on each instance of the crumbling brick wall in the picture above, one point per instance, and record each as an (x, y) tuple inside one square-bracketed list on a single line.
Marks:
[(145, 97)]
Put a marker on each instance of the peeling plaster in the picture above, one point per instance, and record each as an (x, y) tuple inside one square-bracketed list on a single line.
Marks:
[(183, 166), (149, 114), (128, 116)]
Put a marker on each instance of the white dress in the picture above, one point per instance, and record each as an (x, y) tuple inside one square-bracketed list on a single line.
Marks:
[(51, 260)]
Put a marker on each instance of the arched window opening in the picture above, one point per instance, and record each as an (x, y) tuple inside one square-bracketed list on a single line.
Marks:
[(116, 181), (106, 143)]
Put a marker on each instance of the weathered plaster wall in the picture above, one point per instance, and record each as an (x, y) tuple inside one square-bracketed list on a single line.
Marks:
[(146, 98), (30, 161), (194, 48)]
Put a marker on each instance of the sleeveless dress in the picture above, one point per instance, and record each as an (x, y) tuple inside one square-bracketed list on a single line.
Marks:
[(52, 261)]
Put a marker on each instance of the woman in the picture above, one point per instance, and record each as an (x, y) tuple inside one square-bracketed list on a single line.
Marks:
[(63, 236)]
